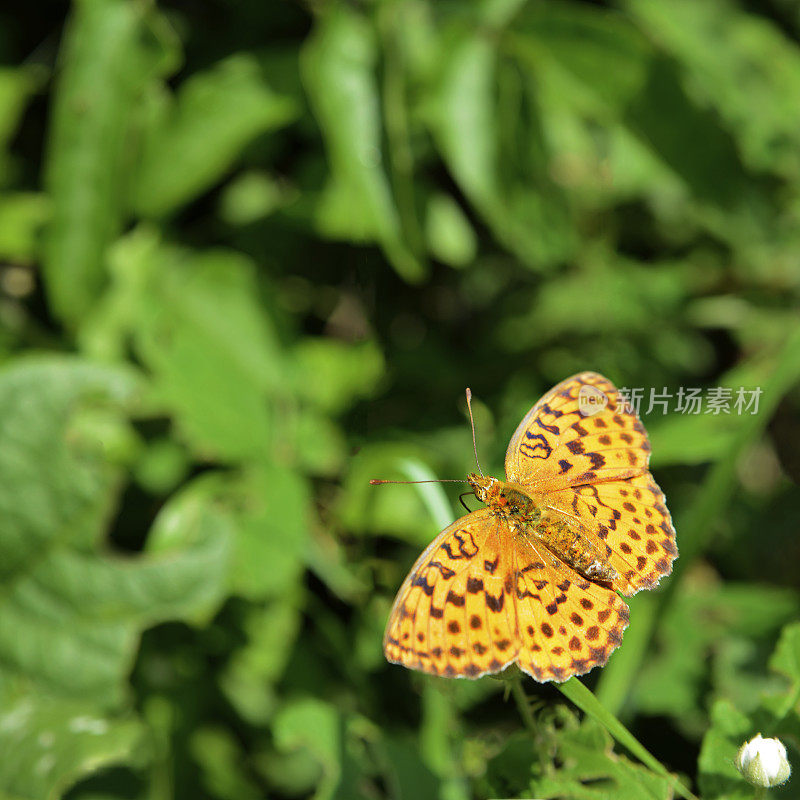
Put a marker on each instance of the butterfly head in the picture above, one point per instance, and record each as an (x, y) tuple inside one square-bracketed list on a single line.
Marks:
[(486, 489)]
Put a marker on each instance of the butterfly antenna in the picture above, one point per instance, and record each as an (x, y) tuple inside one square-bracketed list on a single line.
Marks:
[(378, 481), (472, 425)]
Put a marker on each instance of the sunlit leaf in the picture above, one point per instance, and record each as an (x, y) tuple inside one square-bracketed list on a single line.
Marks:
[(196, 138), (71, 614), (108, 59), (357, 204), (590, 769)]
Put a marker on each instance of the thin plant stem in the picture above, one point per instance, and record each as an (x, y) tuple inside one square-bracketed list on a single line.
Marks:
[(523, 704)]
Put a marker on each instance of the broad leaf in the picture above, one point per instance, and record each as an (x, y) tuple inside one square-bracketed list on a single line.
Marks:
[(108, 60), (193, 140), (338, 61), (590, 770), (70, 613)]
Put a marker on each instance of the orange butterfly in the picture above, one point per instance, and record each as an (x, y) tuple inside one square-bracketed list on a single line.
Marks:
[(533, 578)]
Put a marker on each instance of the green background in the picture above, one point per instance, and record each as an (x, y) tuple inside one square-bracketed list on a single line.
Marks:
[(251, 254)]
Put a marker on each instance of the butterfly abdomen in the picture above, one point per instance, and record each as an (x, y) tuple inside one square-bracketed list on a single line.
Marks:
[(574, 549)]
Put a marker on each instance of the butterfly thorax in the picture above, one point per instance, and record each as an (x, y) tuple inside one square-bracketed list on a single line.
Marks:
[(527, 516), (505, 498)]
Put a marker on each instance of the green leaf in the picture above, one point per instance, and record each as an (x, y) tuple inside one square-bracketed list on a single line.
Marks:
[(691, 438), (448, 231), (659, 778), (161, 466), (665, 118), (17, 85), (690, 641), (274, 521), (465, 102), (266, 510), (596, 62), (479, 112), (50, 743), (332, 375), (70, 617), (599, 57), (212, 354), (253, 670), (251, 197), (742, 65), (106, 63), (319, 444), (22, 215), (786, 660), (338, 63), (719, 777), (222, 763), (194, 140), (775, 715), (208, 343), (411, 778), (315, 726), (192, 535), (609, 296), (592, 771), (778, 374), (388, 509)]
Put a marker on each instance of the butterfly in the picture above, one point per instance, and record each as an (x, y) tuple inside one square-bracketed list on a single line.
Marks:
[(535, 577)]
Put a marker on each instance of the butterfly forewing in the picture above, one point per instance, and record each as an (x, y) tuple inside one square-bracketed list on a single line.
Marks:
[(454, 615), (562, 443)]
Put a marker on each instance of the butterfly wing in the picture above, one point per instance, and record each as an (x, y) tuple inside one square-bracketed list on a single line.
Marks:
[(455, 613), (556, 445), (629, 522), (567, 624), (592, 468), (480, 598)]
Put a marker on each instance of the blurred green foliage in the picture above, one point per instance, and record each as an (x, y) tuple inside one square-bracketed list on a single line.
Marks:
[(250, 256)]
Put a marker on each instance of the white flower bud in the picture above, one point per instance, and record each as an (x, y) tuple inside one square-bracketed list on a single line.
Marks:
[(763, 762)]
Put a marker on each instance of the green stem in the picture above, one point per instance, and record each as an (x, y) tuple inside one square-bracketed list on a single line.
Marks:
[(523, 704)]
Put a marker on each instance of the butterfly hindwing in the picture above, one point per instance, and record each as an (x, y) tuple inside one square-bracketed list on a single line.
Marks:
[(630, 523), (567, 624)]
